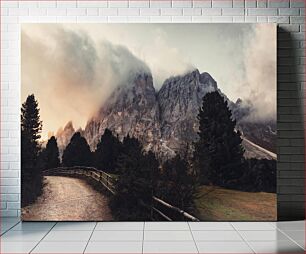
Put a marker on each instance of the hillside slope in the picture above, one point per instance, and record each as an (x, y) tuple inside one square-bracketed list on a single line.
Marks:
[(219, 204)]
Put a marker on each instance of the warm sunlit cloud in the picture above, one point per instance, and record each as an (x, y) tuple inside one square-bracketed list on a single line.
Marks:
[(72, 69)]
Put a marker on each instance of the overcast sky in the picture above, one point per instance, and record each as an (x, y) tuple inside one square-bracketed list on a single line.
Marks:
[(72, 68)]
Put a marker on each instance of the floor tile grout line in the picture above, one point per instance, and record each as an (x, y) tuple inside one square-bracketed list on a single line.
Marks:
[(42, 238), (273, 225), (136, 230), (10, 228), (158, 240), (143, 232), (290, 238), (90, 237), (193, 237), (291, 230), (235, 228), (244, 240)]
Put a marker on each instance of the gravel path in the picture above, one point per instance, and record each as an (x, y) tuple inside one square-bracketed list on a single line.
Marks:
[(68, 199)]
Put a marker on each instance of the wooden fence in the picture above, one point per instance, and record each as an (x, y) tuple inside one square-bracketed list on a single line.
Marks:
[(108, 181)]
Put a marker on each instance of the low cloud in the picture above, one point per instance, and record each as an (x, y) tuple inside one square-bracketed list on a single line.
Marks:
[(70, 75), (260, 72), (164, 60), (73, 71)]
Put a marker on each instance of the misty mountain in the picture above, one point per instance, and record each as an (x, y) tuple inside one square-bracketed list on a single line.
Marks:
[(133, 110), (261, 132), (166, 121), (179, 100), (63, 136)]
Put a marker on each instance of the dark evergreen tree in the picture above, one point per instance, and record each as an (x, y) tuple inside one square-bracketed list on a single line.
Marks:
[(259, 175), (77, 152), (153, 167), (218, 155), (42, 159), (177, 184), (134, 187), (31, 176), (52, 154), (107, 152), (30, 120)]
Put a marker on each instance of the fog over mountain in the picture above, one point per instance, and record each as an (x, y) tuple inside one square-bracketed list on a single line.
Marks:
[(79, 75), (165, 121), (74, 69)]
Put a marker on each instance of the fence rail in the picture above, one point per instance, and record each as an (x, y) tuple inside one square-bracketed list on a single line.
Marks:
[(100, 176), (108, 181)]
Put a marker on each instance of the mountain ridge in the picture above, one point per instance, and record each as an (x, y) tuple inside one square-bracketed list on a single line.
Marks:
[(165, 120)]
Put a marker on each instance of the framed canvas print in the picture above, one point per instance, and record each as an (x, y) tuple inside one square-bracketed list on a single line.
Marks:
[(130, 122)]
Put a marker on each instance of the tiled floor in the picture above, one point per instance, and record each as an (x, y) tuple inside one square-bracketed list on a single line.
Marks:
[(152, 237)]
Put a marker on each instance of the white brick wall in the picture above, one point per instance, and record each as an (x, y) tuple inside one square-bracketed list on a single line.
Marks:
[(289, 13)]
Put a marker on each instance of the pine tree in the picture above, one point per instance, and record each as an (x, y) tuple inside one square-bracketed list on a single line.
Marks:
[(218, 155), (52, 154), (153, 169), (31, 176), (107, 152), (77, 152), (177, 184), (30, 119), (134, 187), (259, 175)]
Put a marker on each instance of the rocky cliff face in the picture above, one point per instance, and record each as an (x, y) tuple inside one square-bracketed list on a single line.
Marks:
[(166, 121), (179, 100), (63, 136), (131, 109)]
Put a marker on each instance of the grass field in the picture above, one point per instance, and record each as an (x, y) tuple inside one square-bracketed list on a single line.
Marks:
[(218, 204)]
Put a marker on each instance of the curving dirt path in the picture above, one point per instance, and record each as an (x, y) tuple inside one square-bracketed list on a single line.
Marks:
[(68, 199)]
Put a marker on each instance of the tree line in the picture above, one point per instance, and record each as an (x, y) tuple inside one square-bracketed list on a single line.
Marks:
[(216, 159)]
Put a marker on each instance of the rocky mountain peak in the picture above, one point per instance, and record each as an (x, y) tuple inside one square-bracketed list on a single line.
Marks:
[(165, 121), (206, 78), (63, 136), (136, 94), (179, 100), (131, 109), (69, 127)]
